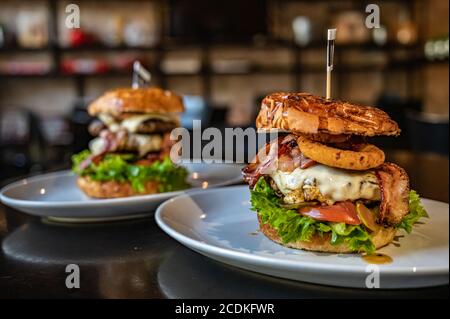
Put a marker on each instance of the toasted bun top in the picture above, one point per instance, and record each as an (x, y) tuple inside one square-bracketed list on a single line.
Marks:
[(141, 100), (306, 113)]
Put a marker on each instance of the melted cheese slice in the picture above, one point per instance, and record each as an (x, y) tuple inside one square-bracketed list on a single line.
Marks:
[(97, 145), (335, 184), (148, 143), (132, 123), (141, 143)]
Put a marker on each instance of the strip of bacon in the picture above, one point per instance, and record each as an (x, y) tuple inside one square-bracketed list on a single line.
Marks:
[(93, 158), (262, 164), (282, 154), (117, 141), (394, 186), (110, 144)]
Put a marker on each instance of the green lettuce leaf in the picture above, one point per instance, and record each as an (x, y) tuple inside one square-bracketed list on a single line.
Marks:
[(120, 168), (291, 226), (416, 211)]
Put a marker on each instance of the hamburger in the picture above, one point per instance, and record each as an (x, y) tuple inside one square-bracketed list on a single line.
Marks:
[(320, 185), (130, 152)]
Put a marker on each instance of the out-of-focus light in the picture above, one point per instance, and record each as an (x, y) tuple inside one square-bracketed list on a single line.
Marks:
[(404, 36), (429, 49), (194, 175), (437, 49), (380, 35), (205, 185), (301, 26), (42, 191)]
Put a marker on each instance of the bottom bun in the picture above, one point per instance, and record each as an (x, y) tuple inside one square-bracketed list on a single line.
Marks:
[(381, 238), (113, 189)]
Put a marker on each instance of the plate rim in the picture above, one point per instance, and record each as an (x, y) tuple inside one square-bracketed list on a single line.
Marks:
[(7, 200), (281, 264)]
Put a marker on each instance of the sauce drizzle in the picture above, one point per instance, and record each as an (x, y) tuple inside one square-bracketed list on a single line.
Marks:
[(377, 258)]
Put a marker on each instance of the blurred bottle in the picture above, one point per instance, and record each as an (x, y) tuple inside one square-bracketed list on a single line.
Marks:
[(380, 35), (115, 35), (352, 28), (437, 48), (32, 31), (302, 30), (140, 33)]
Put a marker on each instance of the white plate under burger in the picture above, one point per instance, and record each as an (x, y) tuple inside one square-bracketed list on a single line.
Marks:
[(218, 223), (57, 196)]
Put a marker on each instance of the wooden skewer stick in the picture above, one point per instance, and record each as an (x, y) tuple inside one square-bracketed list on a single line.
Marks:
[(330, 57), (141, 75)]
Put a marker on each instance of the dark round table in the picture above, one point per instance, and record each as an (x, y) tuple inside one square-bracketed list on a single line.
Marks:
[(135, 259)]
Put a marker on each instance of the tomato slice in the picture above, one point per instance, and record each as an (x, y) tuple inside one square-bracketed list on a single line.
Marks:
[(342, 212)]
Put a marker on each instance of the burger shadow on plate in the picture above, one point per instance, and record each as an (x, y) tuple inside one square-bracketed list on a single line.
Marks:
[(186, 274)]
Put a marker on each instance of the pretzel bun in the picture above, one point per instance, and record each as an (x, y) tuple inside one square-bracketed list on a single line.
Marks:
[(322, 244), (304, 113), (142, 100), (112, 189)]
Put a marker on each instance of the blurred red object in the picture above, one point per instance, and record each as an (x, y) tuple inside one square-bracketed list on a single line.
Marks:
[(79, 38), (84, 66)]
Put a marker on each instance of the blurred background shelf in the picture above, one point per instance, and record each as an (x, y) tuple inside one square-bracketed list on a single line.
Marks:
[(172, 45), (253, 70), (18, 49), (170, 23), (222, 55)]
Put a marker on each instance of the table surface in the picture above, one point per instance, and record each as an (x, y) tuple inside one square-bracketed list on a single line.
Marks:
[(135, 259)]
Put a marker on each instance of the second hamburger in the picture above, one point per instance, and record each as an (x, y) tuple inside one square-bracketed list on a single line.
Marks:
[(130, 154)]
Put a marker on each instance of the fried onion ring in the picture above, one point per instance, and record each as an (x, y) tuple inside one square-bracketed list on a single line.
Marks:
[(361, 157)]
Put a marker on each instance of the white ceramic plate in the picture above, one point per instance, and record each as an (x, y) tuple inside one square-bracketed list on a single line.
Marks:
[(218, 223), (57, 196)]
